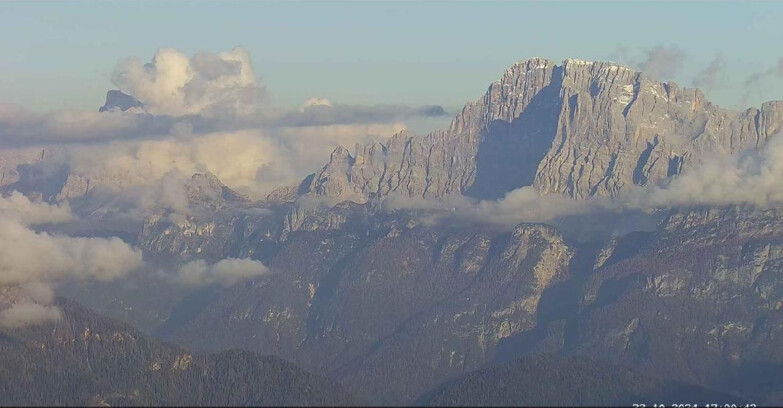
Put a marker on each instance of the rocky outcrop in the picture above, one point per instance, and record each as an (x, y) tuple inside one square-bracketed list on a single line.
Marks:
[(75, 186), (119, 101), (206, 193), (580, 129)]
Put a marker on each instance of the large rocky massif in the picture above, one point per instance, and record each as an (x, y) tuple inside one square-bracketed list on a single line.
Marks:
[(580, 129), (392, 302)]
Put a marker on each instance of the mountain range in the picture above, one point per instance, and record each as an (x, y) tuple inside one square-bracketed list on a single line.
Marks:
[(382, 283)]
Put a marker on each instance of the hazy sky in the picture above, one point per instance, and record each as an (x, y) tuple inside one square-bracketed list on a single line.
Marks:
[(60, 54)]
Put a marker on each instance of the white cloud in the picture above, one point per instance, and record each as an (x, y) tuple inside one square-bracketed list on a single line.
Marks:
[(199, 120), (20, 208), (173, 84), (30, 256), (253, 162), (225, 272), (30, 261)]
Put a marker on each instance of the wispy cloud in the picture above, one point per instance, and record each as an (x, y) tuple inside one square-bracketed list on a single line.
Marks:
[(203, 113), (662, 62), (708, 77), (31, 260), (755, 82)]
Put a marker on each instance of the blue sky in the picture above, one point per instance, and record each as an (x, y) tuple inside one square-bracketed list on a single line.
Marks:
[(60, 54)]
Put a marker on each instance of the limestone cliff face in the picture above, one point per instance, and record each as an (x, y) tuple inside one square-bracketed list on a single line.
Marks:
[(579, 128), (365, 292), (120, 101), (618, 128), (444, 161)]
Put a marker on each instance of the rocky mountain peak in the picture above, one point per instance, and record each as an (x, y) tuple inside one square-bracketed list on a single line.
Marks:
[(205, 191), (118, 100), (579, 129), (340, 155)]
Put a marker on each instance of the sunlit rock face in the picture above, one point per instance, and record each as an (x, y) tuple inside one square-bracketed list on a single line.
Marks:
[(579, 128), (382, 288)]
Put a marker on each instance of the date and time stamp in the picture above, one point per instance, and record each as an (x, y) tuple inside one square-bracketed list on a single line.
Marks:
[(694, 405)]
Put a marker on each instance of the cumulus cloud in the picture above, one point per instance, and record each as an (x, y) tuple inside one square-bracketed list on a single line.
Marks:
[(750, 177), (203, 113), (22, 127), (207, 83), (246, 160), (20, 208), (587, 219), (522, 204), (134, 203), (30, 261), (225, 272), (253, 162), (708, 77)]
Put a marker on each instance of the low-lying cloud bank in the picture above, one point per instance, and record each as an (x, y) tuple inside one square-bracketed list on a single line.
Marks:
[(31, 261), (251, 162), (19, 208), (208, 112), (752, 177), (207, 83)]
